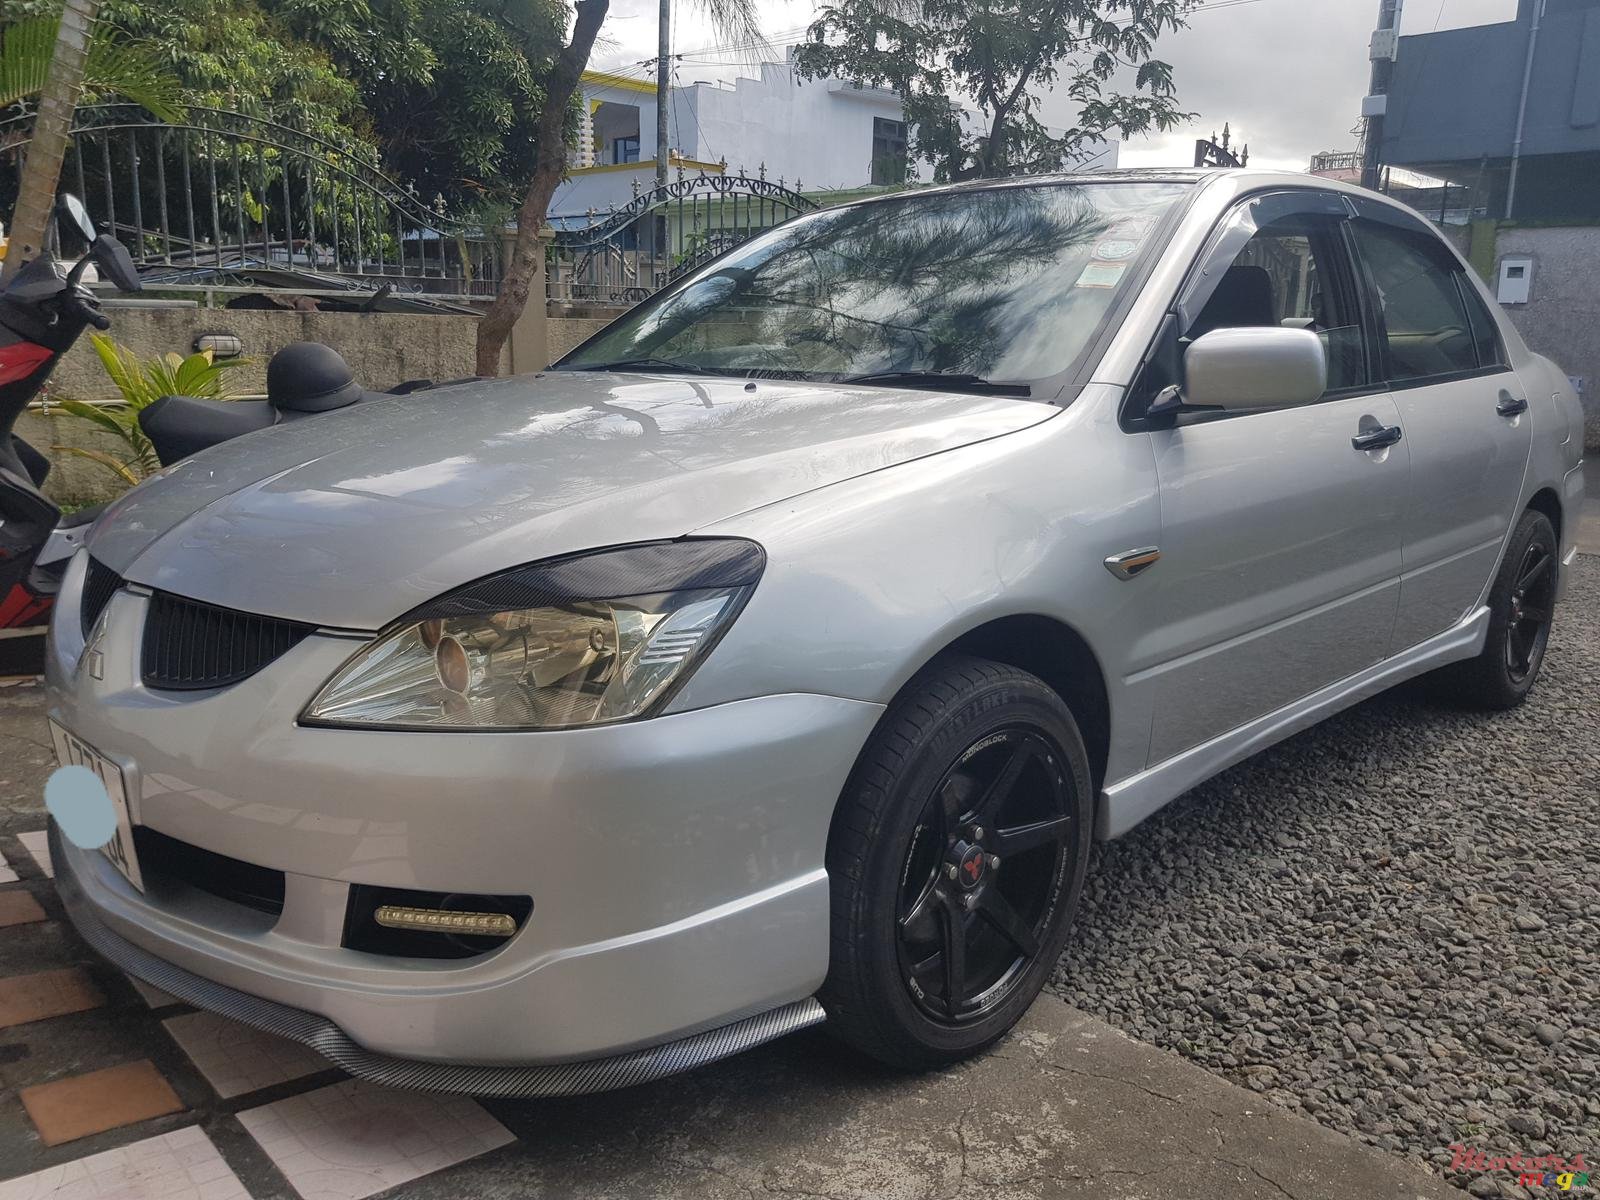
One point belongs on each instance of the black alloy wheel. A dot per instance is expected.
(1521, 605)
(985, 872)
(955, 861)
(1533, 601)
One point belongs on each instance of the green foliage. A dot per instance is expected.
(113, 68)
(999, 57)
(453, 88)
(142, 383)
(444, 94)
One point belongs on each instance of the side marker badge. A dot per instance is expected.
(1132, 562)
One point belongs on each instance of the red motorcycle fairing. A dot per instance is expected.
(21, 608)
(20, 360)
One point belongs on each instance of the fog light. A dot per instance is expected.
(444, 920)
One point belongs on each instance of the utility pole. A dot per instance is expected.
(52, 129)
(663, 88)
(1384, 48)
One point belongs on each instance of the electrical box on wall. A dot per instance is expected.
(1516, 278)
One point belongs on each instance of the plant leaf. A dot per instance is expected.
(85, 411)
(120, 469)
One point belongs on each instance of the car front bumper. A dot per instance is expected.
(675, 864)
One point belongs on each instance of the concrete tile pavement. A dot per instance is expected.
(1067, 1107)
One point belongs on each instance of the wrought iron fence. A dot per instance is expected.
(226, 198)
(622, 255)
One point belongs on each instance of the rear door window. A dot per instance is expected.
(1426, 331)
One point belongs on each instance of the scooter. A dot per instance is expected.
(42, 313)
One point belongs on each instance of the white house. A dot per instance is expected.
(825, 134)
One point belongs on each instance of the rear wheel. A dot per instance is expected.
(956, 859)
(1522, 608)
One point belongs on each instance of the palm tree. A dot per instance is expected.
(735, 22)
(57, 61)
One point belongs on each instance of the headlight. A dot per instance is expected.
(578, 641)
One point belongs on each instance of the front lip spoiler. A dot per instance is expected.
(334, 1044)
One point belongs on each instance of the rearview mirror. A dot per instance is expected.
(1255, 367)
(114, 261)
(71, 211)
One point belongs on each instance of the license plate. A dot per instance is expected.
(72, 750)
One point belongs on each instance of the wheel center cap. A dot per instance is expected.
(971, 865)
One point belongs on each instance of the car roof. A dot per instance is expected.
(1240, 179)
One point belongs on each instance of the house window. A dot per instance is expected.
(625, 150)
(888, 151)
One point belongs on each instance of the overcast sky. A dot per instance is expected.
(1288, 75)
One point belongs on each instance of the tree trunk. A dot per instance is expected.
(663, 88)
(52, 130)
(549, 166)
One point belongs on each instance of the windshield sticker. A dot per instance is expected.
(1102, 275)
(1116, 249)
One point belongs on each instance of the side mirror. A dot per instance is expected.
(1255, 367)
(71, 211)
(112, 257)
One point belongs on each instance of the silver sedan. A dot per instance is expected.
(776, 656)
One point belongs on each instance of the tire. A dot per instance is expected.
(1521, 608)
(909, 869)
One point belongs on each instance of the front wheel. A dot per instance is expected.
(1521, 610)
(956, 859)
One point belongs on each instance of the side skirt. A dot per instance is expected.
(1125, 803)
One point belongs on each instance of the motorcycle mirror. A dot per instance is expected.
(113, 259)
(71, 210)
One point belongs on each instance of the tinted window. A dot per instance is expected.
(1426, 327)
(1485, 335)
(1006, 283)
(1291, 273)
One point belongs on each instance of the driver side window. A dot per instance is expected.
(1292, 273)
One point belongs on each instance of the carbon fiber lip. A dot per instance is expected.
(334, 1044)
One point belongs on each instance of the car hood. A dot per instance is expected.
(351, 518)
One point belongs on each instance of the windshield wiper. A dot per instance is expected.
(941, 380)
(645, 364)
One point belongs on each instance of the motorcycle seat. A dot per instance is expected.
(179, 426)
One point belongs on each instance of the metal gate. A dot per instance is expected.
(621, 256)
(223, 197)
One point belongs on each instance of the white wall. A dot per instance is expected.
(818, 130)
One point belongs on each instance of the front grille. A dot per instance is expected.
(100, 583)
(231, 879)
(189, 645)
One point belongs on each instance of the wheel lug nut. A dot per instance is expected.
(951, 872)
(994, 862)
(977, 833)
(970, 899)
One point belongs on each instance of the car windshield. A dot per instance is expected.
(996, 287)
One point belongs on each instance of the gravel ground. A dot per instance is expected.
(1388, 922)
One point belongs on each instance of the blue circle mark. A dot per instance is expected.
(77, 800)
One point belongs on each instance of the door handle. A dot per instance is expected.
(1377, 439)
(1511, 406)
